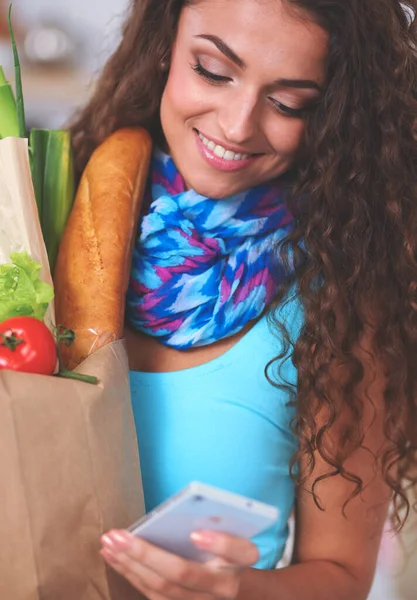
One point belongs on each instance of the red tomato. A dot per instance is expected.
(33, 349)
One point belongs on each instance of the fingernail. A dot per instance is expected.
(120, 540)
(203, 538)
(107, 542)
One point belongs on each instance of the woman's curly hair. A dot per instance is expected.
(354, 244)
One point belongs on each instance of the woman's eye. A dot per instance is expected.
(296, 113)
(208, 75)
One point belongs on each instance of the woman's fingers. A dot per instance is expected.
(169, 566)
(150, 583)
(166, 573)
(235, 551)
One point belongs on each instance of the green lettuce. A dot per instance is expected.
(22, 293)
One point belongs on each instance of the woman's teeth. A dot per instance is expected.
(222, 152)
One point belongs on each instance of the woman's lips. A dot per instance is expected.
(221, 158)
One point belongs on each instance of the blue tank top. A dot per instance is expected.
(224, 424)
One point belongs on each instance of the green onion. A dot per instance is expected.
(54, 184)
(20, 106)
(9, 126)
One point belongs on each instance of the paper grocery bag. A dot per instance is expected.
(70, 471)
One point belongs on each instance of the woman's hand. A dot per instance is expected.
(160, 575)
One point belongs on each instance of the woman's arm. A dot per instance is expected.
(335, 555)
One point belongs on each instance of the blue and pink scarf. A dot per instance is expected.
(203, 268)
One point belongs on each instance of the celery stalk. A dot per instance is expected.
(18, 82)
(9, 126)
(54, 184)
(38, 147)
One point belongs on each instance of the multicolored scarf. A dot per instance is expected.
(203, 268)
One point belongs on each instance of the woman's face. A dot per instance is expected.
(243, 74)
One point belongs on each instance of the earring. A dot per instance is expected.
(409, 13)
(164, 63)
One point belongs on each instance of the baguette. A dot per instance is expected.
(93, 265)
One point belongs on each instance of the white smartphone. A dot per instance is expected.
(197, 507)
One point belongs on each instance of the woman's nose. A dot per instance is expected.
(239, 120)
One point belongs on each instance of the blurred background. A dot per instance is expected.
(63, 44)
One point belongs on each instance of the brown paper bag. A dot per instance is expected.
(70, 471)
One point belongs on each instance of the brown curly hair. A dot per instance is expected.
(354, 244)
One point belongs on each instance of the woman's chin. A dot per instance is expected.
(215, 189)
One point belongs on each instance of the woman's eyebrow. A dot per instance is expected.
(298, 84)
(224, 49)
(231, 55)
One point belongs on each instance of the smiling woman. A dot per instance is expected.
(246, 92)
(271, 314)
